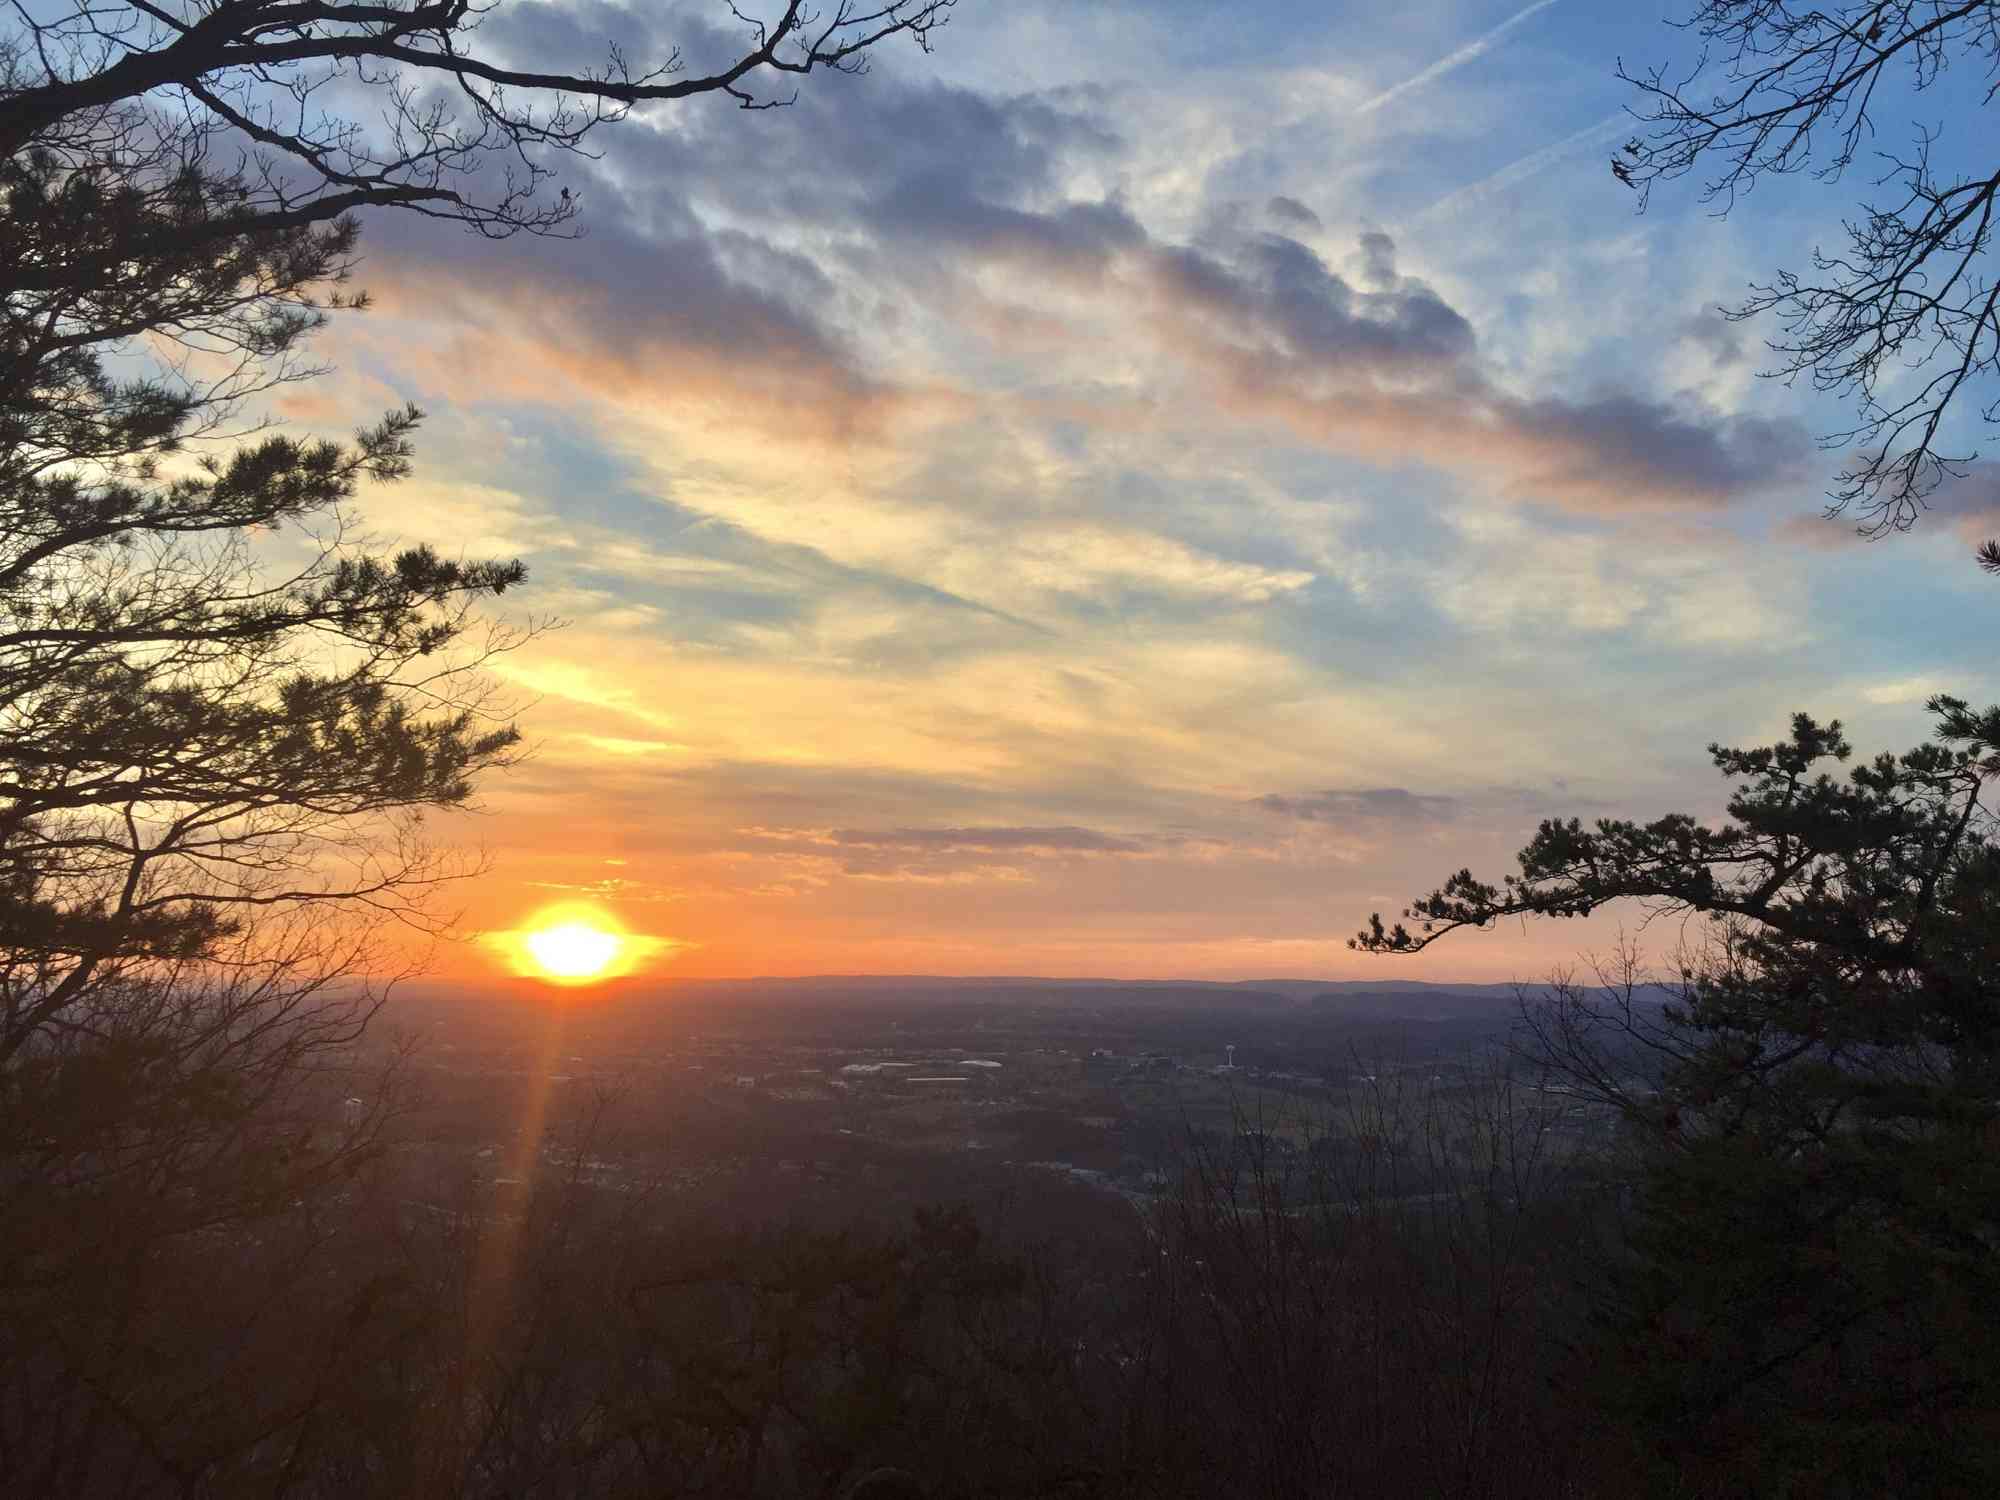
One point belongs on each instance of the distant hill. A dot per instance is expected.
(1410, 1003)
(1294, 989)
(1350, 999)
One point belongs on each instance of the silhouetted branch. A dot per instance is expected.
(1799, 88)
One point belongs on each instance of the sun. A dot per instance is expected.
(576, 943)
(573, 943)
(574, 951)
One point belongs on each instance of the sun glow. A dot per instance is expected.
(573, 952)
(576, 944)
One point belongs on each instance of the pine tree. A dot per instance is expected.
(1805, 1302)
(210, 765)
(224, 715)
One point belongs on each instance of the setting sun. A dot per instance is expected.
(573, 952)
(576, 943)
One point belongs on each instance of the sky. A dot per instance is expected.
(1129, 493)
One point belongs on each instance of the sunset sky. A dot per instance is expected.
(1132, 492)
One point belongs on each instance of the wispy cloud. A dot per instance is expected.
(1353, 804)
(1904, 690)
(1039, 840)
(1472, 51)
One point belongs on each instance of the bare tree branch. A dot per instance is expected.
(1904, 320)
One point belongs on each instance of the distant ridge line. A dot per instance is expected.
(1292, 989)
(1313, 993)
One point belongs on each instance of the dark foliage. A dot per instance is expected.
(1818, 1212)
(224, 714)
(221, 720)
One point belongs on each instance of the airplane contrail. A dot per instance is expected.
(1522, 168)
(1451, 62)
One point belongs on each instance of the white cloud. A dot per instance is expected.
(1903, 690)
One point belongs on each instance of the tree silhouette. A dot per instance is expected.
(1800, 89)
(466, 131)
(204, 762)
(225, 714)
(1812, 1263)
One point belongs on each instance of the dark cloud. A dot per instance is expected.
(1378, 260)
(1673, 450)
(1717, 337)
(1073, 236)
(1393, 372)
(1276, 302)
(1969, 503)
(846, 152)
(652, 306)
(660, 303)
(1007, 840)
(1324, 320)
(1383, 804)
(1291, 213)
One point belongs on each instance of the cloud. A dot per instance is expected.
(748, 272)
(1969, 504)
(1384, 367)
(642, 319)
(1818, 531)
(1719, 338)
(1277, 301)
(1604, 454)
(1011, 840)
(1095, 561)
(1904, 690)
(1345, 805)
(1392, 373)
(1078, 238)
(1378, 260)
(1291, 213)
(854, 269)
(814, 858)
(989, 496)
(614, 745)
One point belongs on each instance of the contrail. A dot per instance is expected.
(1452, 62)
(1527, 166)
(1522, 168)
